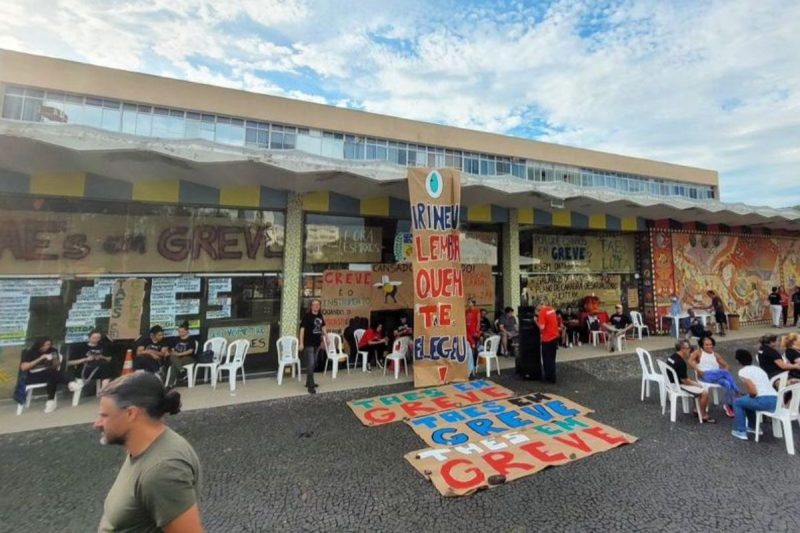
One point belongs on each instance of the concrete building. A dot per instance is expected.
(244, 200)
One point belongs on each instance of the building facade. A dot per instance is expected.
(232, 206)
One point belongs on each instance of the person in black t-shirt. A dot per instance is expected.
(678, 363)
(770, 359)
(720, 317)
(618, 325)
(90, 359)
(775, 308)
(151, 351)
(796, 303)
(312, 332)
(41, 364)
(791, 345)
(182, 353)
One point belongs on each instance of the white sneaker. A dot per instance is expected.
(75, 385)
(50, 406)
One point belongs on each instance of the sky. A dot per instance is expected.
(712, 84)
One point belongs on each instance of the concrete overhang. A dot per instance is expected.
(56, 148)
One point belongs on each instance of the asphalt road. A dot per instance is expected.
(307, 464)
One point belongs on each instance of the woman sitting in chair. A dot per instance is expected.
(91, 360)
(374, 342)
(41, 364)
(791, 345)
(712, 368)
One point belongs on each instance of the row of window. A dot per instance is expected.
(35, 105)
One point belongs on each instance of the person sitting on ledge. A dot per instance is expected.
(618, 325)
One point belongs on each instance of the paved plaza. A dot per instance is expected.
(307, 464)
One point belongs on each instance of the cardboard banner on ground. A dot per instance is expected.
(440, 342)
(492, 461)
(470, 424)
(127, 303)
(397, 407)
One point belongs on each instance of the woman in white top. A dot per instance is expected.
(761, 396)
(712, 368)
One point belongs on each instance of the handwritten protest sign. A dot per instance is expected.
(440, 342)
(397, 407)
(127, 303)
(473, 423)
(345, 294)
(463, 469)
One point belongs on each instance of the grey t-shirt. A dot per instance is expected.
(508, 322)
(153, 489)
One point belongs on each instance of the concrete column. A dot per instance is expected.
(511, 288)
(292, 266)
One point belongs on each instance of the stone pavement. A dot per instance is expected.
(307, 464)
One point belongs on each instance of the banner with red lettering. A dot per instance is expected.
(463, 469)
(440, 342)
(471, 424)
(398, 407)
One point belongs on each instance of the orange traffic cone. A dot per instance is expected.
(127, 368)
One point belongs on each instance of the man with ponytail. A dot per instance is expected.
(158, 486)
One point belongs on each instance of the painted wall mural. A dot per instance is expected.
(740, 268)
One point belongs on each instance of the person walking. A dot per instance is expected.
(775, 307)
(720, 317)
(158, 487)
(548, 326)
(784, 305)
(312, 332)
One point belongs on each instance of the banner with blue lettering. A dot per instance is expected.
(487, 420)
(440, 341)
(425, 402)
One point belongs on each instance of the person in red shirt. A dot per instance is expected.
(473, 325)
(374, 342)
(547, 320)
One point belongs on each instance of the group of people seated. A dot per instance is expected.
(91, 361)
(375, 340)
(754, 393)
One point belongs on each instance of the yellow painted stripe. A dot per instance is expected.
(479, 213)
(597, 221)
(525, 215)
(378, 207)
(563, 218)
(317, 201)
(157, 191)
(245, 196)
(72, 184)
(629, 224)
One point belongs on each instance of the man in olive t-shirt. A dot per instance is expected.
(158, 487)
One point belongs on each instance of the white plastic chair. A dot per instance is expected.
(782, 417)
(218, 345)
(489, 354)
(674, 392)
(335, 354)
(237, 351)
(596, 335)
(780, 381)
(357, 334)
(288, 356)
(649, 374)
(398, 355)
(638, 324)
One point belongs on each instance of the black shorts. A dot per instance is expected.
(720, 317)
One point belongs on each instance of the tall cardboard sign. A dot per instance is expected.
(440, 342)
(127, 303)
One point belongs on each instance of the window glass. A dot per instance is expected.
(12, 107)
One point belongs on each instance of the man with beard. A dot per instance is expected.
(158, 486)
